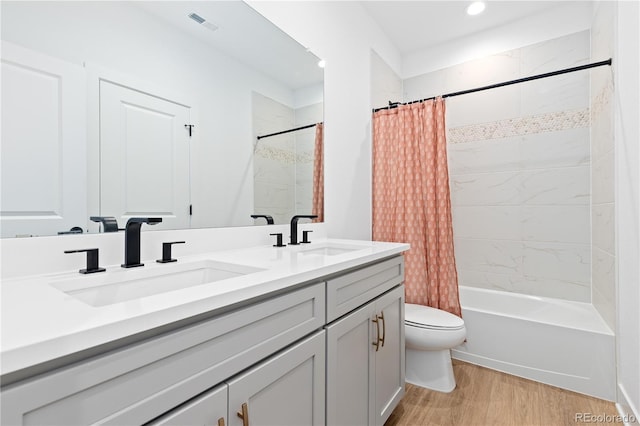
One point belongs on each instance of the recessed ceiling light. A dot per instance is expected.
(321, 63)
(475, 8)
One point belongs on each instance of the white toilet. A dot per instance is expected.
(430, 334)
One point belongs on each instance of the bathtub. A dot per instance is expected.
(561, 343)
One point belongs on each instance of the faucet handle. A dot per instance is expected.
(92, 261)
(305, 237)
(166, 252)
(278, 240)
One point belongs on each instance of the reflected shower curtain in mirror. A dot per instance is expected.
(318, 175)
(411, 200)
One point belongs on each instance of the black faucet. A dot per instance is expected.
(109, 223)
(132, 240)
(294, 226)
(268, 218)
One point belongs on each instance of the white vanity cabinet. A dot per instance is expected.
(365, 347)
(286, 389)
(308, 354)
(142, 381)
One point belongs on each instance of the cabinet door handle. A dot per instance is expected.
(221, 421)
(377, 342)
(244, 414)
(384, 329)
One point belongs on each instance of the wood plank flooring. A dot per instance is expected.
(485, 397)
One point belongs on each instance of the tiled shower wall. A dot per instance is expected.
(519, 164)
(283, 164)
(602, 165)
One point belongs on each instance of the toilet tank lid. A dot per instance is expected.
(426, 315)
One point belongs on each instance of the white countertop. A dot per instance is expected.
(41, 323)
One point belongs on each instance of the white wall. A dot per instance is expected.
(386, 85)
(343, 34)
(627, 175)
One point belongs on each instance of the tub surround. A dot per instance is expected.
(519, 171)
(558, 342)
(41, 323)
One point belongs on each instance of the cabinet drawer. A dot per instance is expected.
(145, 380)
(350, 291)
(208, 409)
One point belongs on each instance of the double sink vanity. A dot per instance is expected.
(297, 335)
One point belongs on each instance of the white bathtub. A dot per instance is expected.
(558, 342)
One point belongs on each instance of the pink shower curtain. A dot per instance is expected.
(318, 175)
(411, 201)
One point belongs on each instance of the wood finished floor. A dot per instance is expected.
(485, 397)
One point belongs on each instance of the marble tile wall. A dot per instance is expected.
(602, 165)
(520, 166)
(283, 164)
(273, 159)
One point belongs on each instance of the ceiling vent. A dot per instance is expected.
(200, 20)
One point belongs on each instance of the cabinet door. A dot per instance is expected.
(389, 359)
(286, 389)
(350, 369)
(365, 362)
(208, 409)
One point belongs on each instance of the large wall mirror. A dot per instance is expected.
(203, 113)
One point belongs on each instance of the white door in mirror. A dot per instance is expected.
(144, 157)
(43, 144)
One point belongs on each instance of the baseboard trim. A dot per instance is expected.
(629, 414)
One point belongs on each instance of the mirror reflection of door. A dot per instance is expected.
(43, 144)
(144, 157)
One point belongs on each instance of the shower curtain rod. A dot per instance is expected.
(288, 131)
(505, 83)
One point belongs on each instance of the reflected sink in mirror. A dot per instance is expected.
(123, 285)
(331, 249)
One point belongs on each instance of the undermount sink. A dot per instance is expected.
(331, 249)
(129, 284)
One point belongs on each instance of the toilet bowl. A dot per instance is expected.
(430, 334)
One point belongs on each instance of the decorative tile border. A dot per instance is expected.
(549, 122)
(282, 155)
(601, 102)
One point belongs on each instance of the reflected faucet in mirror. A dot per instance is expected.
(268, 218)
(132, 240)
(109, 223)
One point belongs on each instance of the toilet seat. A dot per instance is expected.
(431, 318)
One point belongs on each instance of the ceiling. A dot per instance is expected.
(242, 33)
(411, 26)
(416, 25)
